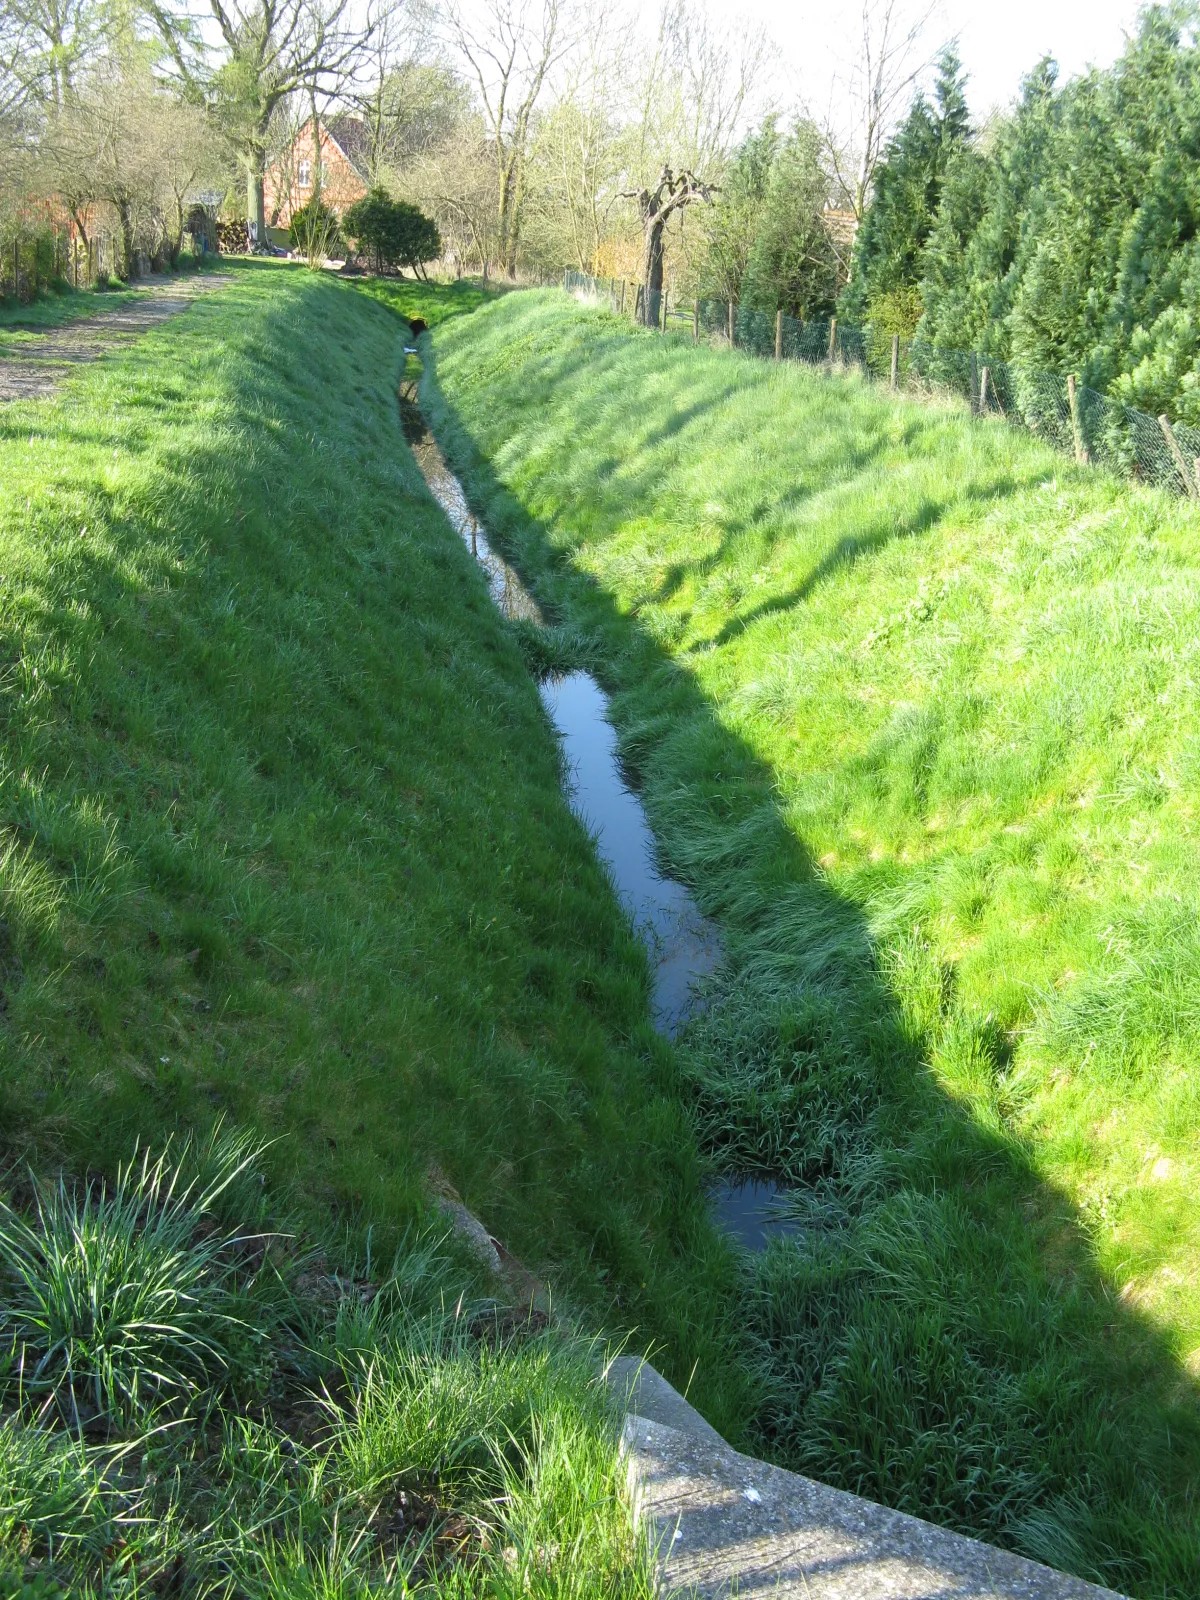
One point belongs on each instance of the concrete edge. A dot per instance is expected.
(725, 1524)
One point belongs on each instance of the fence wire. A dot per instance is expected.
(1076, 420)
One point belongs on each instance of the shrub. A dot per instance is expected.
(315, 232)
(392, 232)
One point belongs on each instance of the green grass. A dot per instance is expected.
(283, 836)
(53, 308)
(392, 1437)
(912, 704)
(433, 303)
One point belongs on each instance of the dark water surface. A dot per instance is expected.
(684, 947)
(753, 1211)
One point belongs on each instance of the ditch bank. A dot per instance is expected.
(775, 573)
(721, 1522)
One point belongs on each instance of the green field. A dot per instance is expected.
(912, 704)
(285, 850)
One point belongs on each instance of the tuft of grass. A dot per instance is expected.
(416, 1454)
(120, 1300)
(910, 701)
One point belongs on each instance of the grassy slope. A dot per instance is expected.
(913, 704)
(283, 836)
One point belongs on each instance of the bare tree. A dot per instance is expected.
(698, 82)
(582, 143)
(405, 96)
(184, 154)
(873, 91)
(455, 183)
(270, 49)
(510, 50)
(45, 43)
(656, 206)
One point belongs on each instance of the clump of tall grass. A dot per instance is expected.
(554, 648)
(121, 1299)
(413, 1440)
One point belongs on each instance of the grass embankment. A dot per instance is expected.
(284, 843)
(912, 702)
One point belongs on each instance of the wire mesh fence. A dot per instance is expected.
(1072, 418)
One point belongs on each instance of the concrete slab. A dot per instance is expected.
(646, 1393)
(726, 1525)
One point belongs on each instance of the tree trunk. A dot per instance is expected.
(504, 218)
(317, 170)
(514, 221)
(87, 243)
(256, 211)
(125, 213)
(652, 269)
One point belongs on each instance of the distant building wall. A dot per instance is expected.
(288, 183)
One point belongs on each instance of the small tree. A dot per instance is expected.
(394, 233)
(315, 233)
(656, 207)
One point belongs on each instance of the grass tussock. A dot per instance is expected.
(910, 700)
(389, 1441)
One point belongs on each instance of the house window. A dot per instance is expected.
(304, 177)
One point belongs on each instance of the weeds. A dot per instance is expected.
(119, 1301)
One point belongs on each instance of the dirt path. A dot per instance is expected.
(45, 357)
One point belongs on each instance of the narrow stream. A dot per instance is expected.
(684, 946)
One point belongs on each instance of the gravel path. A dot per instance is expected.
(45, 357)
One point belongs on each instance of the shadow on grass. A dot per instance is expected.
(941, 1339)
(851, 548)
(305, 855)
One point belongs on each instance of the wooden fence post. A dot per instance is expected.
(983, 388)
(895, 362)
(779, 336)
(1081, 454)
(664, 311)
(974, 383)
(732, 327)
(696, 323)
(832, 339)
(1189, 483)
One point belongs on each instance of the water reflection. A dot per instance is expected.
(684, 947)
(510, 594)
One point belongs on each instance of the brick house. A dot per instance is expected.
(288, 183)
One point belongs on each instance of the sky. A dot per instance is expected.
(999, 40)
